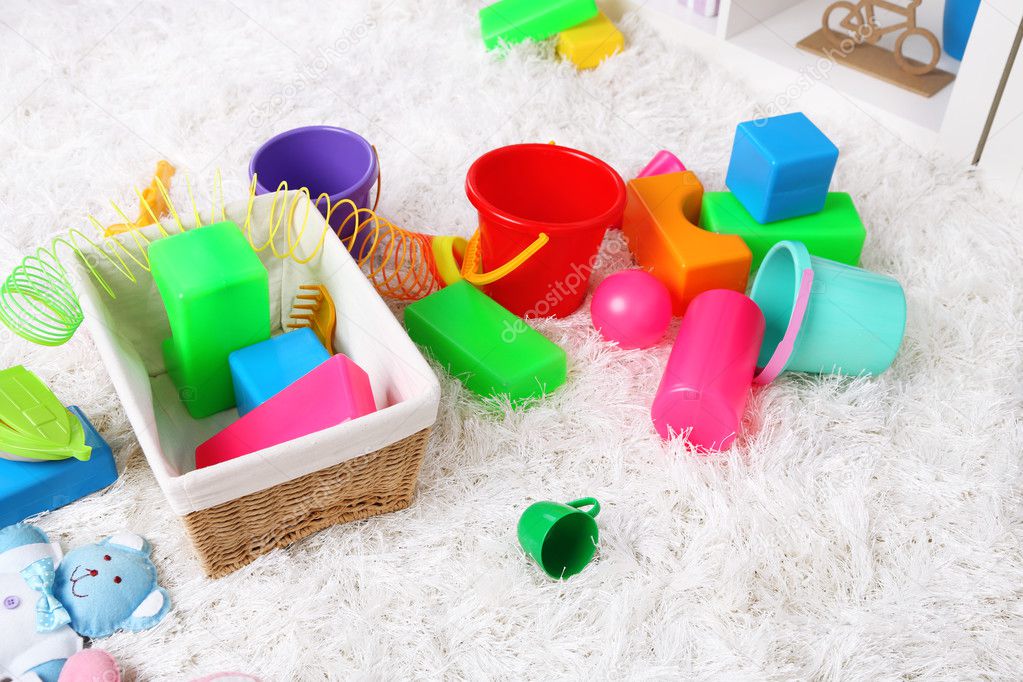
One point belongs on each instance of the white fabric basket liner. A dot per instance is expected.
(129, 329)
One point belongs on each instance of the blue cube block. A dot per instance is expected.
(27, 488)
(781, 167)
(263, 370)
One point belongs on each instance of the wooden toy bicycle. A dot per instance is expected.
(856, 21)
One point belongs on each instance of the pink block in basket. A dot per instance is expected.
(664, 162)
(334, 392)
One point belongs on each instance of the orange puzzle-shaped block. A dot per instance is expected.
(660, 224)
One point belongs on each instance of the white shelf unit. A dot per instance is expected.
(775, 37)
(757, 39)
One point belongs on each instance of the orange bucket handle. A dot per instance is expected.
(471, 263)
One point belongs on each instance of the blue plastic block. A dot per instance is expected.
(781, 167)
(27, 488)
(263, 370)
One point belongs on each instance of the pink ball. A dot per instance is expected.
(631, 307)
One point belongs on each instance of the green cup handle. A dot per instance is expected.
(586, 502)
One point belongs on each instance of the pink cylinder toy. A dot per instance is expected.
(710, 370)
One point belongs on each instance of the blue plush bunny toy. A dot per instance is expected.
(35, 637)
(93, 591)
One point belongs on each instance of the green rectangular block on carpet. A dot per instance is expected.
(491, 351)
(516, 20)
(836, 233)
(217, 296)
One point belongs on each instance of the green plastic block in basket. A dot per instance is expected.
(491, 350)
(217, 296)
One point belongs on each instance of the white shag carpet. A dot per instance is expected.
(861, 529)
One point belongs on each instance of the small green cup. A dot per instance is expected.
(561, 538)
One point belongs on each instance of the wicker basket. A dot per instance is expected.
(233, 534)
(238, 510)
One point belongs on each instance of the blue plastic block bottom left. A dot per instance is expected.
(27, 488)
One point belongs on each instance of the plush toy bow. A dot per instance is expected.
(50, 613)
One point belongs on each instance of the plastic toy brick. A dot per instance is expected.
(334, 392)
(513, 21)
(781, 167)
(659, 223)
(28, 488)
(263, 370)
(491, 350)
(591, 42)
(836, 233)
(217, 297)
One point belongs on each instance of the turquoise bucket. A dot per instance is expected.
(847, 320)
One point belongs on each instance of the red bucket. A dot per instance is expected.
(543, 213)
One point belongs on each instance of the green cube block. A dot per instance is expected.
(217, 296)
(491, 350)
(516, 20)
(836, 233)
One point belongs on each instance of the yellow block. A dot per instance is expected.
(590, 42)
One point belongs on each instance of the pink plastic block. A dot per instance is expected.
(663, 162)
(334, 392)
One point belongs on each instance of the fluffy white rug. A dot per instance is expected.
(861, 529)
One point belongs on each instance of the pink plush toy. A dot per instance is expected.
(96, 665)
(90, 665)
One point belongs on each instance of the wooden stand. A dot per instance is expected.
(877, 62)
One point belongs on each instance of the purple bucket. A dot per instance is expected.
(324, 159)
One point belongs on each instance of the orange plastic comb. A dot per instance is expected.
(316, 310)
(152, 205)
